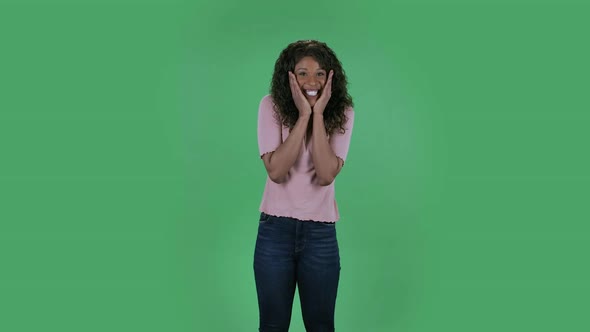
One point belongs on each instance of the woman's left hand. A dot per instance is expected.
(322, 101)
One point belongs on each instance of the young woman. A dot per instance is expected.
(304, 130)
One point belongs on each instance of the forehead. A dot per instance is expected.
(309, 63)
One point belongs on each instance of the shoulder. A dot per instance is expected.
(349, 113)
(349, 110)
(267, 100)
(267, 105)
(267, 111)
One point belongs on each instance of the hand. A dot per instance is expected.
(322, 102)
(300, 101)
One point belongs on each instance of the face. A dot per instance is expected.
(311, 78)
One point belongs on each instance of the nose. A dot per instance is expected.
(313, 82)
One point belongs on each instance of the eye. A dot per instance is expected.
(321, 74)
(301, 73)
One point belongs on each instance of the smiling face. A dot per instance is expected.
(311, 78)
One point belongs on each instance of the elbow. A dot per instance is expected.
(277, 178)
(325, 180)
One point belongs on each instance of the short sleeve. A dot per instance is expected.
(269, 130)
(340, 142)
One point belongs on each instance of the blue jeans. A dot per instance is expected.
(289, 252)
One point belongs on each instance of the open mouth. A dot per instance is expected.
(312, 93)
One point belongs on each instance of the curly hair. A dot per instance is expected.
(280, 91)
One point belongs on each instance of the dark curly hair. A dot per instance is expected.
(280, 91)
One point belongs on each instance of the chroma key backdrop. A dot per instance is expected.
(130, 179)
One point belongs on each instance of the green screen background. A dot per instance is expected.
(130, 179)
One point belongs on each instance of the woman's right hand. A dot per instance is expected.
(300, 101)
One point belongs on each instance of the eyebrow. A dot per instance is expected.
(306, 69)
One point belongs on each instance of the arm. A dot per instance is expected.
(327, 164)
(279, 162)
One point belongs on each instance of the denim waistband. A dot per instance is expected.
(264, 215)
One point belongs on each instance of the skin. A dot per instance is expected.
(308, 75)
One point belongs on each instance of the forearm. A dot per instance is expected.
(324, 160)
(283, 158)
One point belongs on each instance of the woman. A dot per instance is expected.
(304, 130)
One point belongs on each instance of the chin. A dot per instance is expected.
(312, 102)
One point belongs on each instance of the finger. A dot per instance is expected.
(296, 93)
(329, 84)
(295, 86)
(292, 84)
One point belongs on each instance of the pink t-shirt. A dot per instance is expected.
(298, 197)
